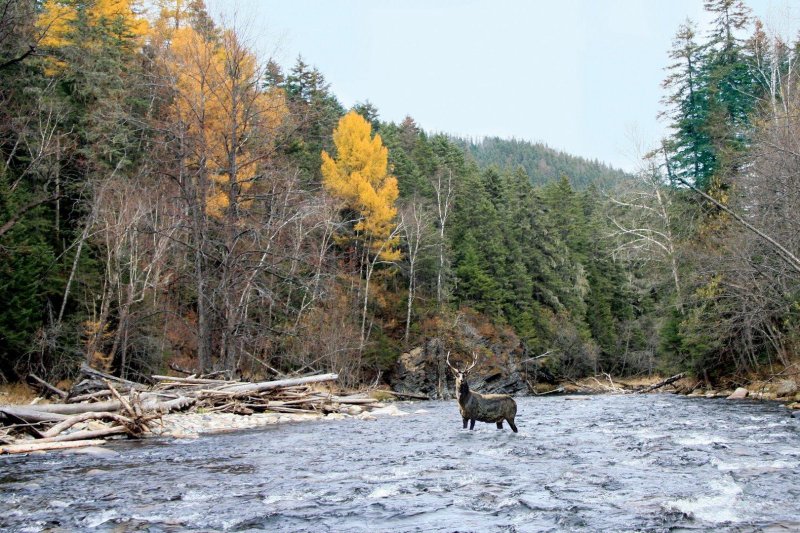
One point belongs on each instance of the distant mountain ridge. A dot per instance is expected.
(542, 163)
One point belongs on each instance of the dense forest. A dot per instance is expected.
(169, 198)
(542, 163)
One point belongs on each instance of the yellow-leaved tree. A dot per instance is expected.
(359, 177)
(223, 108)
(88, 23)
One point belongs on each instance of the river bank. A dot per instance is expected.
(102, 407)
(785, 390)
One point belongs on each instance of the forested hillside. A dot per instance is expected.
(167, 197)
(542, 163)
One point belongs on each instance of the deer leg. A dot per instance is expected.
(513, 426)
(472, 424)
(465, 422)
(500, 425)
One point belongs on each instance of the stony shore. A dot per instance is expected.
(191, 425)
(786, 391)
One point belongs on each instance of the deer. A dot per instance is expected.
(484, 407)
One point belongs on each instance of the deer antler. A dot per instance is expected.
(474, 362)
(457, 371)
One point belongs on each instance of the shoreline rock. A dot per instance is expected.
(739, 394)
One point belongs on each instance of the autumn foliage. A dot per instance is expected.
(218, 100)
(359, 177)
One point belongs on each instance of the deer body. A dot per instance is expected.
(491, 408)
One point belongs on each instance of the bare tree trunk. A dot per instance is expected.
(414, 221)
(444, 199)
(410, 302)
(199, 233)
(84, 235)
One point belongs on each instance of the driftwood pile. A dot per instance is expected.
(102, 406)
(593, 385)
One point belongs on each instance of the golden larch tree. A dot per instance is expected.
(223, 109)
(227, 126)
(360, 178)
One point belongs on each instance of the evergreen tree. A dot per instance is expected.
(692, 155)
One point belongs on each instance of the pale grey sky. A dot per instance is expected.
(583, 76)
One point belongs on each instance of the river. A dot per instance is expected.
(595, 463)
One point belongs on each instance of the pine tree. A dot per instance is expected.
(692, 153)
(732, 90)
(315, 111)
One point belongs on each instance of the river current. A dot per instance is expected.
(595, 463)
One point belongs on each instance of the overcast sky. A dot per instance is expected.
(580, 75)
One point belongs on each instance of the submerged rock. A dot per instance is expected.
(389, 410)
(95, 451)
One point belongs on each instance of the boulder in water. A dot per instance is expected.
(95, 451)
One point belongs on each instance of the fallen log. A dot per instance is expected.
(351, 401)
(554, 391)
(294, 410)
(125, 406)
(178, 404)
(86, 434)
(41, 384)
(90, 396)
(31, 415)
(150, 401)
(172, 380)
(252, 388)
(43, 446)
(83, 417)
(94, 373)
(78, 408)
(412, 395)
(662, 383)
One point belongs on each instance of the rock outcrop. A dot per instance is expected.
(424, 370)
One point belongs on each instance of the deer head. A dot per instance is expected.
(462, 387)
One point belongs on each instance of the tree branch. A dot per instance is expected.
(31, 50)
(10, 223)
